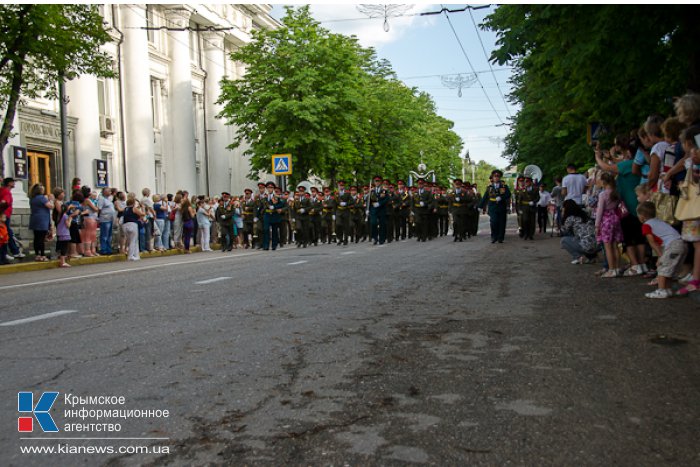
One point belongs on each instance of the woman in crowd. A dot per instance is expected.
(237, 223)
(177, 220)
(76, 211)
(188, 214)
(161, 209)
(132, 218)
(120, 206)
(88, 234)
(607, 223)
(40, 219)
(204, 217)
(626, 183)
(147, 225)
(578, 234)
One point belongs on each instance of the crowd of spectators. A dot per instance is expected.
(625, 212)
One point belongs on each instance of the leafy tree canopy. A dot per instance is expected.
(576, 64)
(38, 43)
(337, 108)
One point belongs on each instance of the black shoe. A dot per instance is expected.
(500, 241)
(455, 239)
(345, 243)
(305, 245)
(298, 245)
(493, 241)
(375, 242)
(266, 249)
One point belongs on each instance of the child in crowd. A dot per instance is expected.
(4, 239)
(63, 239)
(607, 224)
(667, 244)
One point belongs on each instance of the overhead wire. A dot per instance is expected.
(461, 46)
(478, 34)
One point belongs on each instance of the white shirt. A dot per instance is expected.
(575, 185)
(545, 198)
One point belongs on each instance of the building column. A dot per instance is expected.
(219, 156)
(82, 95)
(138, 114)
(183, 174)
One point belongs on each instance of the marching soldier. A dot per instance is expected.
(528, 208)
(458, 208)
(378, 197)
(272, 218)
(301, 209)
(328, 219)
(496, 199)
(224, 217)
(315, 211)
(263, 193)
(443, 216)
(248, 207)
(472, 200)
(423, 204)
(517, 195)
(342, 215)
(389, 207)
(357, 215)
(402, 211)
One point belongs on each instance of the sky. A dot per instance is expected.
(423, 50)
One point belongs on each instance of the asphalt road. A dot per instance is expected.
(439, 353)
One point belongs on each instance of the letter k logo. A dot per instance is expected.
(25, 403)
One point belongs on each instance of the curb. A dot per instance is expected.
(53, 264)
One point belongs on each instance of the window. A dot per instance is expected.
(195, 110)
(155, 103)
(103, 100)
(194, 45)
(150, 23)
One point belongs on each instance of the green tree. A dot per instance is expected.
(38, 44)
(299, 95)
(577, 64)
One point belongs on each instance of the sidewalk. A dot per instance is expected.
(28, 264)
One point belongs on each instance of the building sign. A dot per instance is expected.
(282, 164)
(19, 159)
(101, 173)
(42, 131)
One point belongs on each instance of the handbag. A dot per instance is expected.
(688, 206)
(622, 210)
(156, 230)
(665, 204)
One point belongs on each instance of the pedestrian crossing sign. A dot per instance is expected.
(282, 164)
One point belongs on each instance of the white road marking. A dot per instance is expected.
(37, 318)
(297, 262)
(210, 281)
(109, 273)
(348, 253)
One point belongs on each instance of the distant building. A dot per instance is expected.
(155, 125)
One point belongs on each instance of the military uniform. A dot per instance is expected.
(443, 215)
(315, 211)
(328, 219)
(517, 195)
(496, 200)
(402, 214)
(458, 206)
(345, 202)
(472, 219)
(224, 217)
(248, 207)
(528, 199)
(378, 197)
(357, 218)
(390, 213)
(423, 203)
(301, 220)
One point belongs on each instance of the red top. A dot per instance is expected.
(4, 238)
(646, 230)
(6, 195)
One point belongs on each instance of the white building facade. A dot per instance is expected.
(155, 125)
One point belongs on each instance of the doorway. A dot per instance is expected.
(40, 169)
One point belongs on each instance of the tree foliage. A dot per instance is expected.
(38, 43)
(576, 64)
(333, 105)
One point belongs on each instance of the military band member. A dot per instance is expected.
(272, 208)
(443, 214)
(423, 204)
(472, 199)
(248, 207)
(496, 200)
(458, 209)
(357, 215)
(263, 192)
(301, 209)
(224, 218)
(389, 208)
(517, 194)
(315, 212)
(528, 208)
(402, 211)
(342, 214)
(378, 197)
(328, 219)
